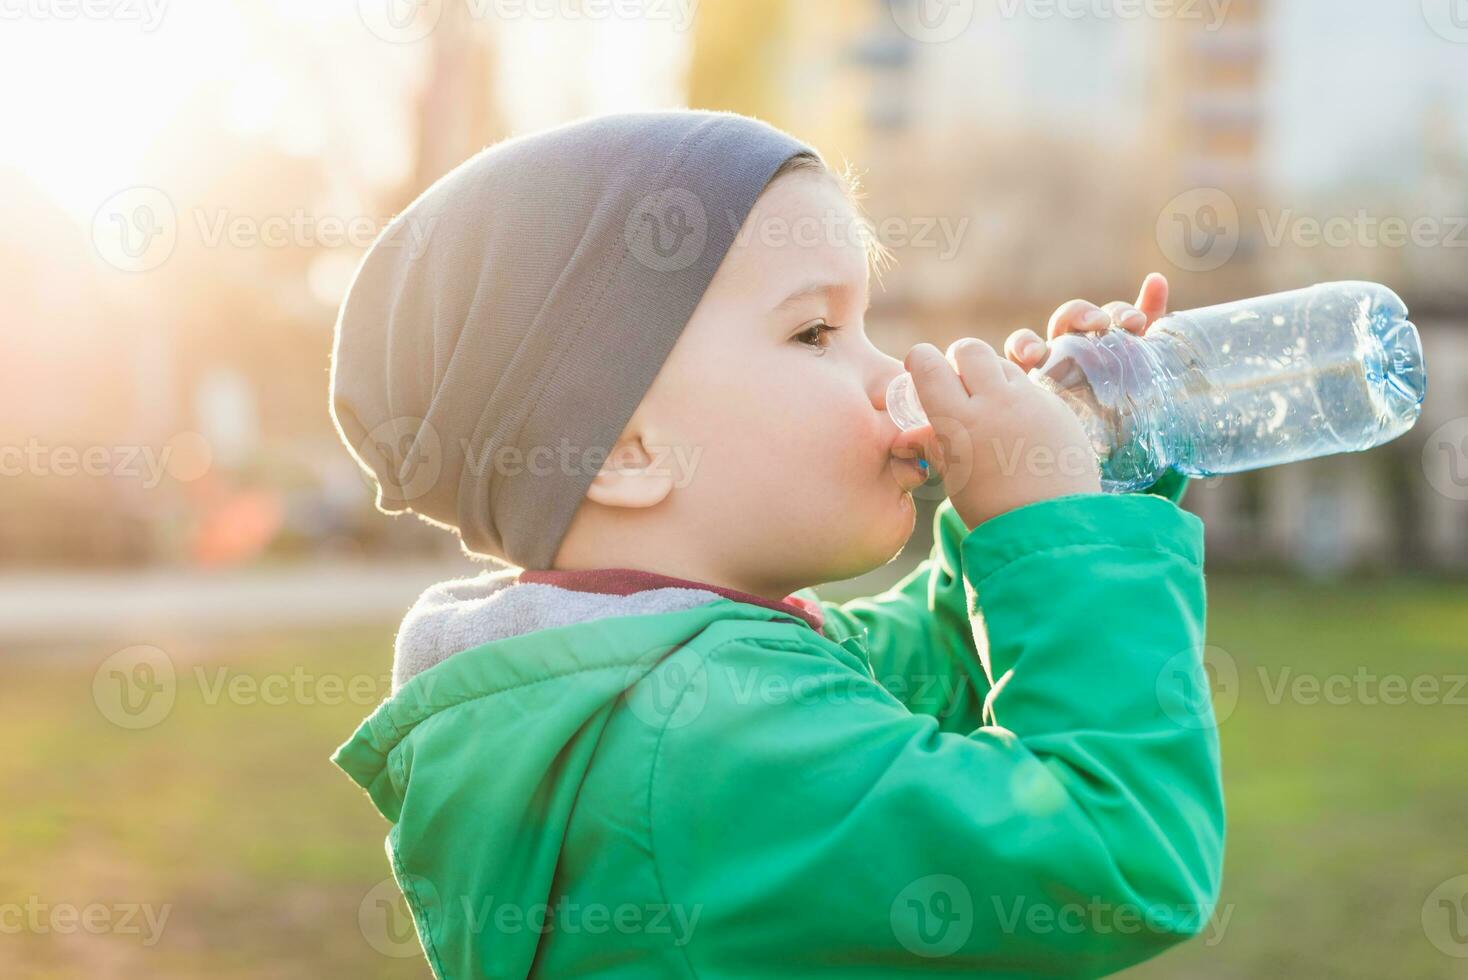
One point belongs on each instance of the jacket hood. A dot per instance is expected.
(460, 614)
(492, 634)
(532, 672)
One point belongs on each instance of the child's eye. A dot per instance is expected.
(814, 335)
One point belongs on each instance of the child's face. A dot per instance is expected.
(794, 482)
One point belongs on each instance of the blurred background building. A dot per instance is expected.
(1021, 152)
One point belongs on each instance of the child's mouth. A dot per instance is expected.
(911, 473)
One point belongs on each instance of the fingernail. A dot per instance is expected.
(1096, 318)
(1134, 318)
(1031, 349)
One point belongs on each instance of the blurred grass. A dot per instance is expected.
(1342, 818)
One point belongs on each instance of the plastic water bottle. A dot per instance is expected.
(1327, 369)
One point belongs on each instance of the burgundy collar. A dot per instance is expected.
(625, 581)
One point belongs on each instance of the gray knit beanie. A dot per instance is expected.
(503, 328)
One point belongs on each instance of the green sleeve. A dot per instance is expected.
(822, 829)
(920, 633)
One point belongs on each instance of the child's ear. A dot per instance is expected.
(631, 477)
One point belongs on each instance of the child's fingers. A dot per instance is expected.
(1152, 300)
(1025, 348)
(980, 367)
(1126, 316)
(1077, 316)
(939, 388)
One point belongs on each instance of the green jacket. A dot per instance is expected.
(1001, 766)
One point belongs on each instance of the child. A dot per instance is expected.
(627, 357)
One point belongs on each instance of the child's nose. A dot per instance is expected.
(888, 368)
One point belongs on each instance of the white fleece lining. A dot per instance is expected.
(460, 614)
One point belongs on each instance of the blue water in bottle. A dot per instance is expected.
(1331, 368)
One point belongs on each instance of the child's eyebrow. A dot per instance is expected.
(808, 289)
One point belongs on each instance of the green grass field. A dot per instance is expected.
(1343, 814)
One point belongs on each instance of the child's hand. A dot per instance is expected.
(998, 440)
(1025, 348)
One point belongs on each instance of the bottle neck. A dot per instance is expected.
(1126, 391)
(1175, 378)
